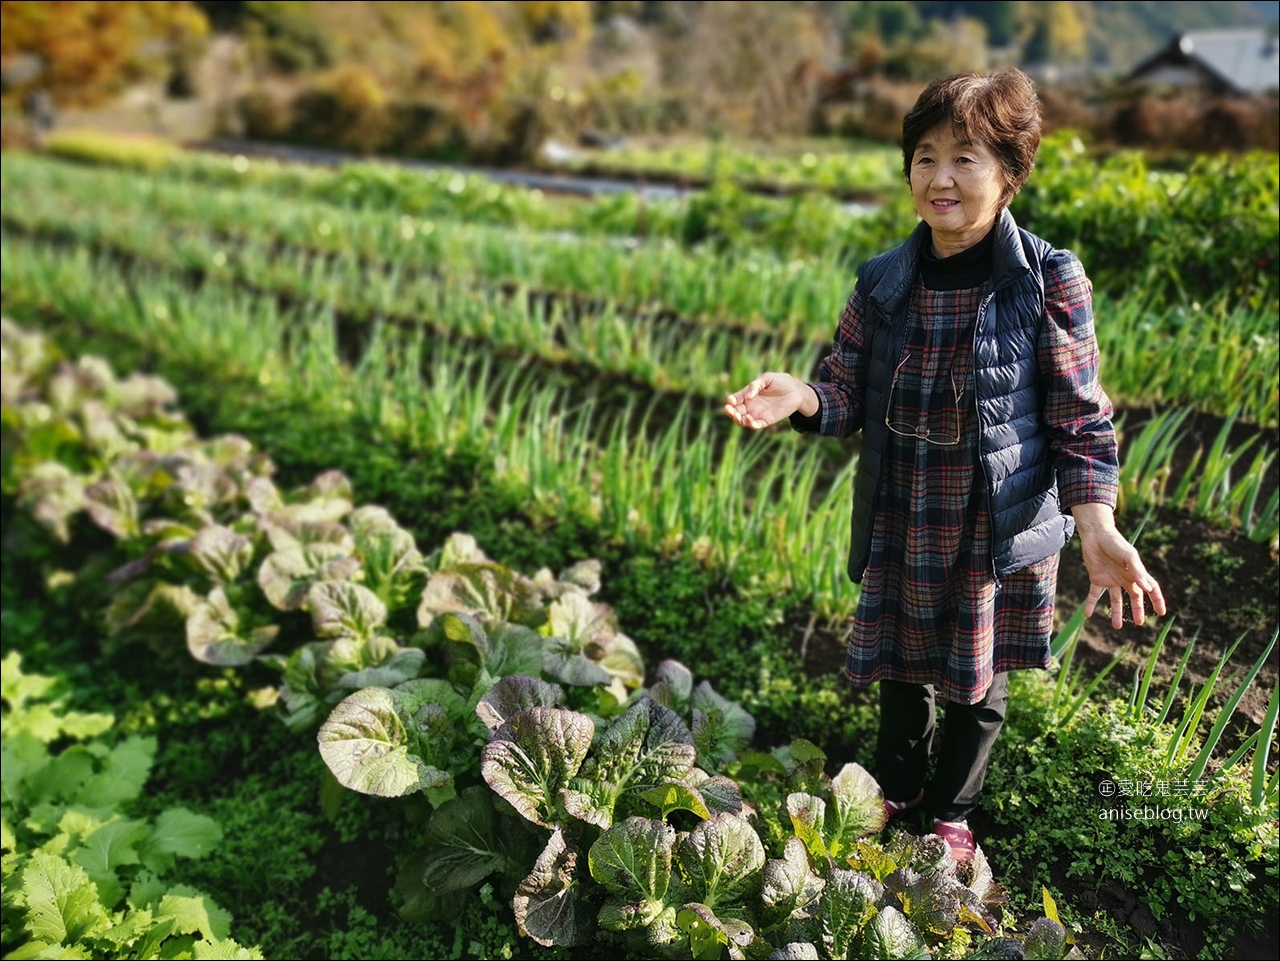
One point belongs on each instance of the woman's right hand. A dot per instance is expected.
(769, 398)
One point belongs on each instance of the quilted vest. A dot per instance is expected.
(1027, 522)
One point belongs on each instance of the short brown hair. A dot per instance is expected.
(1000, 111)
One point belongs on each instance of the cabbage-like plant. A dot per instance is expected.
(582, 646)
(598, 793)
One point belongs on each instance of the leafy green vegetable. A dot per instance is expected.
(890, 935)
(533, 756)
(722, 862)
(73, 853)
(392, 742)
(548, 903)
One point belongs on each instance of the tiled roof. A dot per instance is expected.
(1245, 60)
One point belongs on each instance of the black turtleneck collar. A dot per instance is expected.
(969, 268)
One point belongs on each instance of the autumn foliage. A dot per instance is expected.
(89, 49)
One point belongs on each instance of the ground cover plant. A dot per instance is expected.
(430, 432)
(80, 875)
(78, 440)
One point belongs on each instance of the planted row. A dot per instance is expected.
(698, 359)
(1127, 221)
(841, 169)
(756, 289)
(749, 502)
(1216, 356)
(722, 502)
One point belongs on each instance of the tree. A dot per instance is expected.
(92, 48)
(752, 68)
(1058, 35)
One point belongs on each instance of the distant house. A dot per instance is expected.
(1219, 62)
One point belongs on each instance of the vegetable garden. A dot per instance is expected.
(381, 578)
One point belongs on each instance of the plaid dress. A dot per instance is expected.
(931, 609)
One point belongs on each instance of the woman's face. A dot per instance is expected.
(957, 188)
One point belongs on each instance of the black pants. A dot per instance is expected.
(907, 722)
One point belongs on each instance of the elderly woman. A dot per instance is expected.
(967, 358)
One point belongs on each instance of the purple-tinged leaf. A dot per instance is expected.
(791, 887)
(101, 430)
(891, 936)
(973, 911)
(221, 553)
(53, 495)
(111, 505)
(721, 794)
(199, 487)
(479, 589)
(977, 874)
(931, 853)
(645, 747)
(547, 903)
(795, 951)
(587, 626)
(286, 576)
(857, 809)
(590, 800)
(617, 914)
(145, 396)
(388, 555)
(329, 492)
(533, 756)
(808, 815)
(585, 575)
(511, 695)
(263, 495)
(290, 527)
(932, 902)
(215, 636)
(1046, 941)
(345, 609)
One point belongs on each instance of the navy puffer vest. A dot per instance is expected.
(1027, 522)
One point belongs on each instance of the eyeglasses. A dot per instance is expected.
(916, 431)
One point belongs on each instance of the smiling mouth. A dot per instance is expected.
(944, 203)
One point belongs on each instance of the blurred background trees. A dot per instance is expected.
(492, 80)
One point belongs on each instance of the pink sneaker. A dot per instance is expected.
(893, 808)
(958, 837)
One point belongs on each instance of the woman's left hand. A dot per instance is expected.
(1114, 566)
